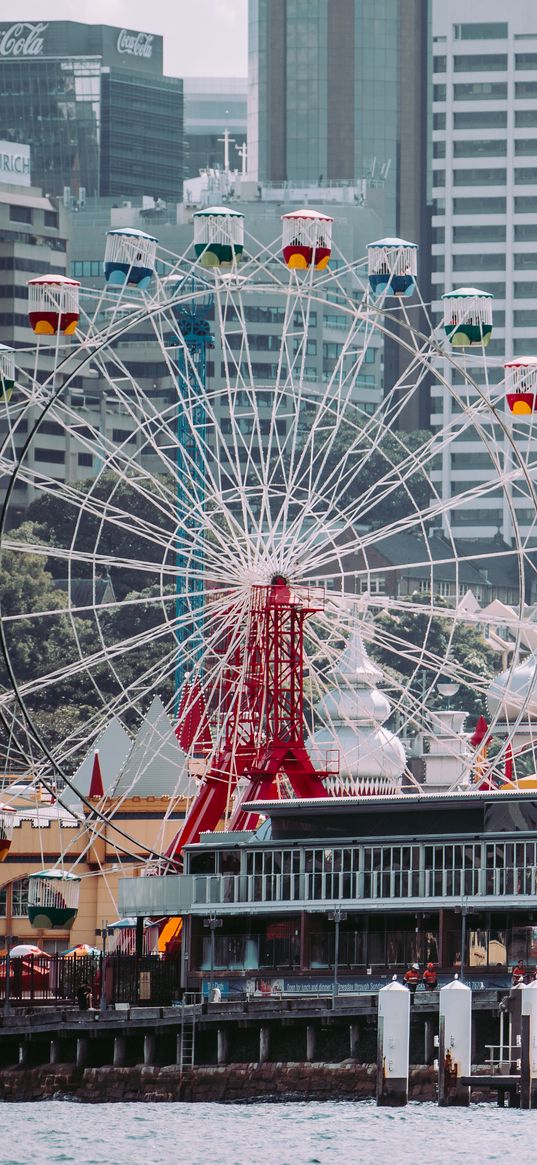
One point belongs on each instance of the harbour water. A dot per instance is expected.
(54, 1132)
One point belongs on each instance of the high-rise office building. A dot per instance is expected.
(95, 107)
(485, 207)
(338, 90)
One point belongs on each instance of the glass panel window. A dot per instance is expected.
(484, 177)
(525, 146)
(480, 63)
(481, 262)
(525, 89)
(480, 233)
(525, 117)
(19, 898)
(526, 290)
(439, 92)
(526, 61)
(439, 64)
(526, 261)
(526, 232)
(479, 205)
(526, 204)
(525, 318)
(483, 31)
(439, 149)
(480, 91)
(480, 119)
(439, 121)
(479, 149)
(20, 213)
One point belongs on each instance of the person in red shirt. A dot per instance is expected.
(411, 978)
(519, 973)
(430, 978)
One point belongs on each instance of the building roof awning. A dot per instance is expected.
(34, 200)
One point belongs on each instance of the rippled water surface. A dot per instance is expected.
(262, 1134)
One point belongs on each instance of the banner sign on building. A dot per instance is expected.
(14, 164)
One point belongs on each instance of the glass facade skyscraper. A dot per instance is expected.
(338, 91)
(95, 108)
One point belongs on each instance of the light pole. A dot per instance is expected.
(337, 916)
(7, 992)
(103, 932)
(213, 923)
(464, 910)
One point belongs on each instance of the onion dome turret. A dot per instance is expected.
(392, 266)
(7, 372)
(307, 239)
(218, 235)
(468, 316)
(7, 821)
(521, 385)
(372, 759)
(514, 692)
(53, 305)
(53, 899)
(129, 257)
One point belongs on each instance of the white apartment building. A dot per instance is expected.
(485, 217)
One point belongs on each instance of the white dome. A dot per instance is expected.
(371, 758)
(514, 692)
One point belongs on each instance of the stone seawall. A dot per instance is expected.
(232, 1084)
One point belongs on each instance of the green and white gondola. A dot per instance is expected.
(53, 897)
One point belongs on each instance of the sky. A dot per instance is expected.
(202, 38)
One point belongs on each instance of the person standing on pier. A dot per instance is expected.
(412, 978)
(430, 977)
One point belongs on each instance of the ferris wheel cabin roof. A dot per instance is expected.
(132, 233)
(523, 362)
(467, 293)
(393, 242)
(306, 212)
(60, 875)
(55, 280)
(218, 210)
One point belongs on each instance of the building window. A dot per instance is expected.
(19, 898)
(526, 146)
(480, 63)
(526, 232)
(525, 117)
(479, 206)
(438, 235)
(526, 61)
(480, 233)
(526, 261)
(526, 290)
(439, 121)
(120, 435)
(480, 91)
(490, 31)
(525, 318)
(480, 262)
(85, 459)
(484, 177)
(479, 149)
(375, 586)
(439, 149)
(526, 89)
(20, 213)
(439, 177)
(439, 64)
(480, 119)
(526, 204)
(439, 92)
(51, 218)
(54, 456)
(443, 588)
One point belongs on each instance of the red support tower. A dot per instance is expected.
(264, 718)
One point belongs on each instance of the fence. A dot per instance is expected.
(127, 979)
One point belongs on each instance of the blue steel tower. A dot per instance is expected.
(192, 321)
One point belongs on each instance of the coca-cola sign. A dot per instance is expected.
(22, 40)
(137, 44)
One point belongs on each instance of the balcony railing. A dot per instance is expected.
(193, 892)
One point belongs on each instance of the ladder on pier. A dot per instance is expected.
(187, 1051)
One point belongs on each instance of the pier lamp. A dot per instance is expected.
(337, 916)
(447, 689)
(213, 923)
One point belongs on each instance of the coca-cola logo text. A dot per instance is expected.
(22, 40)
(138, 44)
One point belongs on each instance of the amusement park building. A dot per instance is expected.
(95, 107)
(485, 201)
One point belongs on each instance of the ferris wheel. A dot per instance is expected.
(231, 477)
